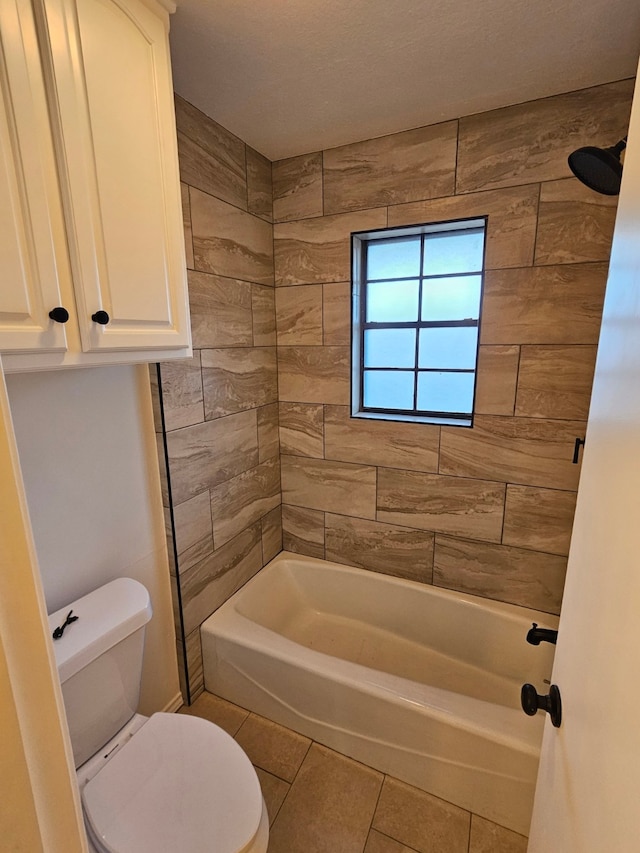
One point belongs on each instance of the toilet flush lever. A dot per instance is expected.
(60, 631)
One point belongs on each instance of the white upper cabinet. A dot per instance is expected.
(107, 76)
(33, 252)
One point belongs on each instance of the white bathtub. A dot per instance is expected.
(418, 682)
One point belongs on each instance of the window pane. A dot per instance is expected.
(445, 392)
(453, 347)
(393, 258)
(453, 251)
(388, 389)
(451, 298)
(390, 348)
(392, 302)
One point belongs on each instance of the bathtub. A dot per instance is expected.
(418, 682)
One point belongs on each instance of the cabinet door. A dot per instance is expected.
(116, 126)
(32, 243)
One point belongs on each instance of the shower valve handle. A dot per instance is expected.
(532, 702)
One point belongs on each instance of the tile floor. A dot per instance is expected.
(319, 801)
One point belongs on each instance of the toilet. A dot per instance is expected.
(169, 783)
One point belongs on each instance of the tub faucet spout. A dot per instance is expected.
(536, 635)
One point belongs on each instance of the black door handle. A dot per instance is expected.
(532, 702)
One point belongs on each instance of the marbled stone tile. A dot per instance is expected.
(218, 711)
(379, 843)
(301, 429)
(528, 451)
(237, 379)
(297, 187)
(299, 315)
(182, 398)
(575, 224)
(193, 530)
(303, 531)
(540, 519)
(407, 166)
(201, 170)
(336, 313)
(273, 747)
(259, 190)
(274, 791)
(229, 242)
(423, 822)
(155, 396)
(317, 815)
(315, 251)
(263, 307)
(271, 534)
(377, 442)
(211, 158)
(515, 575)
(511, 229)
(555, 381)
(496, 380)
(331, 486)
(268, 440)
(213, 580)
(530, 142)
(204, 455)
(314, 375)
(194, 664)
(220, 311)
(488, 837)
(454, 505)
(186, 223)
(543, 305)
(386, 548)
(243, 500)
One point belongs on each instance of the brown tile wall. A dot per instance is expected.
(222, 493)
(486, 510)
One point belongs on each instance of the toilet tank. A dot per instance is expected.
(99, 659)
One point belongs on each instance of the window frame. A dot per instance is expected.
(359, 243)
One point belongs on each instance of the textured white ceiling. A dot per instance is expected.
(294, 76)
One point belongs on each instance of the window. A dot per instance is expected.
(416, 317)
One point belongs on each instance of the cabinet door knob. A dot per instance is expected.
(100, 317)
(60, 314)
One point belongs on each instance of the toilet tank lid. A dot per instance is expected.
(105, 617)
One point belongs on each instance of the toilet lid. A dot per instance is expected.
(180, 784)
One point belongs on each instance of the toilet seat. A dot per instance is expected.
(180, 784)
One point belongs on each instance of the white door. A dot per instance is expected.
(588, 790)
(116, 128)
(32, 241)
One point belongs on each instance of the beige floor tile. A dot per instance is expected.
(274, 791)
(224, 714)
(273, 747)
(488, 837)
(379, 843)
(329, 807)
(424, 822)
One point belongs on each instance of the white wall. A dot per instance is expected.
(88, 456)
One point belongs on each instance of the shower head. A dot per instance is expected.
(599, 168)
